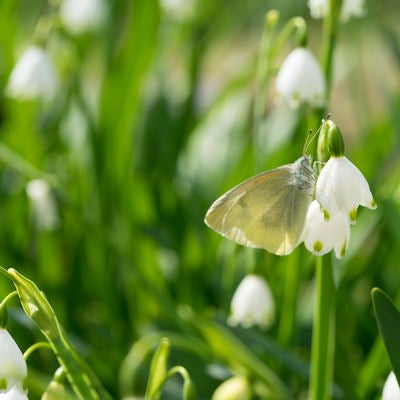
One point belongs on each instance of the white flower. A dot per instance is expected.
(318, 8)
(79, 16)
(15, 393)
(321, 235)
(43, 205)
(13, 369)
(235, 388)
(252, 303)
(33, 76)
(350, 8)
(300, 79)
(391, 389)
(342, 187)
(181, 10)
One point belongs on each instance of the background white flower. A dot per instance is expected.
(391, 388)
(300, 79)
(341, 186)
(79, 16)
(235, 388)
(252, 303)
(43, 204)
(33, 76)
(350, 8)
(13, 367)
(321, 235)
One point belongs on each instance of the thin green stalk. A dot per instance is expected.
(330, 32)
(287, 322)
(322, 354)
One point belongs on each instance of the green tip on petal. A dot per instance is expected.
(353, 215)
(3, 384)
(343, 250)
(327, 216)
(373, 205)
(318, 246)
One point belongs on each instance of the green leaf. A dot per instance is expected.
(158, 370)
(388, 318)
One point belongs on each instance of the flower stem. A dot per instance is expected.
(287, 323)
(322, 353)
(330, 30)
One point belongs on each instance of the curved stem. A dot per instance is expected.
(36, 346)
(322, 354)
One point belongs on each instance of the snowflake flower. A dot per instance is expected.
(321, 235)
(252, 303)
(80, 16)
(342, 187)
(350, 8)
(13, 369)
(300, 79)
(33, 76)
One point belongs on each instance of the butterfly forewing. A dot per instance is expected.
(267, 211)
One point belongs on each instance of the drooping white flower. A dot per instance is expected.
(235, 388)
(80, 16)
(13, 369)
(15, 393)
(300, 79)
(350, 8)
(321, 235)
(33, 76)
(391, 388)
(181, 10)
(252, 303)
(342, 187)
(43, 204)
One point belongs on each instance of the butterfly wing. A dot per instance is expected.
(266, 211)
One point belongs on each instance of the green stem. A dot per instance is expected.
(287, 321)
(322, 354)
(330, 31)
(36, 346)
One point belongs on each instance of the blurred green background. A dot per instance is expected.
(152, 122)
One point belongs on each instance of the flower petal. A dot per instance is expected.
(321, 235)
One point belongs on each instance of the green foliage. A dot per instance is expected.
(388, 318)
(156, 116)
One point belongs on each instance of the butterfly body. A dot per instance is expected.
(268, 210)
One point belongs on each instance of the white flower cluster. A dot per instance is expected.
(13, 369)
(340, 189)
(350, 8)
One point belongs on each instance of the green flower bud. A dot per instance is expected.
(330, 141)
(35, 304)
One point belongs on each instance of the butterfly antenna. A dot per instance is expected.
(311, 136)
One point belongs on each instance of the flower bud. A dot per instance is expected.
(35, 304)
(330, 141)
(236, 388)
